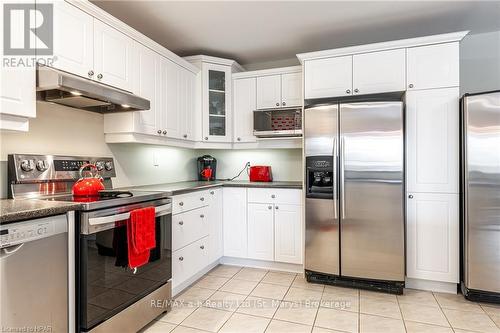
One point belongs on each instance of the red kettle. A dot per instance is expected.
(88, 186)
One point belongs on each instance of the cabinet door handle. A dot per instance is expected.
(239, 139)
(273, 196)
(202, 199)
(276, 207)
(283, 103)
(356, 90)
(181, 203)
(410, 85)
(181, 258)
(410, 196)
(269, 207)
(99, 76)
(206, 138)
(185, 136)
(159, 131)
(212, 192)
(348, 91)
(202, 216)
(181, 223)
(277, 104)
(164, 132)
(91, 73)
(202, 247)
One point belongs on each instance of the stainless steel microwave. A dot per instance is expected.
(277, 123)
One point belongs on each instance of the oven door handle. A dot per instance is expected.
(159, 211)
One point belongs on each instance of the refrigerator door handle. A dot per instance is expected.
(342, 177)
(335, 189)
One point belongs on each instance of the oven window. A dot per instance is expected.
(107, 285)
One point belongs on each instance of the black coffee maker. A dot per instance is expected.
(207, 166)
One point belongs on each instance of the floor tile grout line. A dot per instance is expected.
(401, 312)
(440, 308)
(489, 316)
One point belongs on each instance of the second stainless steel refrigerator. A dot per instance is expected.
(354, 194)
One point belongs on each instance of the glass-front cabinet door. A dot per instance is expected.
(216, 103)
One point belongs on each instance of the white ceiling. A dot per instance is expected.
(260, 32)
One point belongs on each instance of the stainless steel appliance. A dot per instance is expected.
(354, 193)
(60, 87)
(34, 275)
(481, 196)
(110, 296)
(277, 123)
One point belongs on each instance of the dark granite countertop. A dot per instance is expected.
(12, 210)
(191, 186)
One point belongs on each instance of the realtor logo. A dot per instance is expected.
(28, 27)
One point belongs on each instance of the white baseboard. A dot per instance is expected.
(277, 266)
(177, 289)
(437, 286)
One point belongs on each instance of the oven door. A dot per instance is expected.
(106, 284)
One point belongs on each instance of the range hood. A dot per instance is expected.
(60, 87)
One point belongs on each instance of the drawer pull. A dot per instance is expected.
(202, 199)
(202, 215)
(181, 203)
(212, 192)
(273, 196)
(181, 258)
(276, 207)
(269, 207)
(202, 247)
(181, 223)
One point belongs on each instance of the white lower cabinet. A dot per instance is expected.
(260, 231)
(433, 237)
(188, 261)
(288, 233)
(235, 222)
(214, 220)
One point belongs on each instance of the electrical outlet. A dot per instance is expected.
(156, 160)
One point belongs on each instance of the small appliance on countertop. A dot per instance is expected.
(260, 173)
(207, 167)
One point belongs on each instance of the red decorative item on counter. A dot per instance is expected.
(141, 236)
(206, 173)
(88, 186)
(261, 174)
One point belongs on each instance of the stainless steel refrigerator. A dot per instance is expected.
(354, 154)
(481, 196)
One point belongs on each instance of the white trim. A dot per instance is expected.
(374, 47)
(437, 286)
(187, 283)
(115, 23)
(272, 265)
(271, 71)
(214, 60)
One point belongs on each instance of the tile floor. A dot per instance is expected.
(239, 300)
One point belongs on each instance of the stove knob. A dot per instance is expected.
(27, 165)
(99, 165)
(42, 165)
(108, 165)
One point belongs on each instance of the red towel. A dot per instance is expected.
(140, 236)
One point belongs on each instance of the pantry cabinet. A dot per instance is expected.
(433, 66)
(432, 140)
(244, 103)
(260, 231)
(433, 236)
(235, 222)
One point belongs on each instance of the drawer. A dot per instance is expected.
(213, 194)
(188, 261)
(185, 202)
(189, 226)
(275, 195)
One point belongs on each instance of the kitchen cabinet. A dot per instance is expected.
(432, 140)
(244, 103)
(377, 72)
(328, 77)
(148, 85)
(170, 125)
(17, 98)
(281, 90)
(215, 241)
(288, 233)
(189, 226)
(115, 61)
(187, 97)
(235, 222)
(73, 39)
(261, 231)
(433, 66)
(188, 261)
(433, 237)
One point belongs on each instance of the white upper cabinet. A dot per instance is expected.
(187, 95)
(261, 231)
(432, 131)
(147, 85)
(433, 237)
(433, 66)
(244, 103)
(379, 72)
(288, 233)
(235, 221)
(171, 127)
(73, 39)
(269, 92)
(114, 57)
(216, 99)
(328, 77)
(291, 89)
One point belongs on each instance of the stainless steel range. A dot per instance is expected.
(110, 297)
